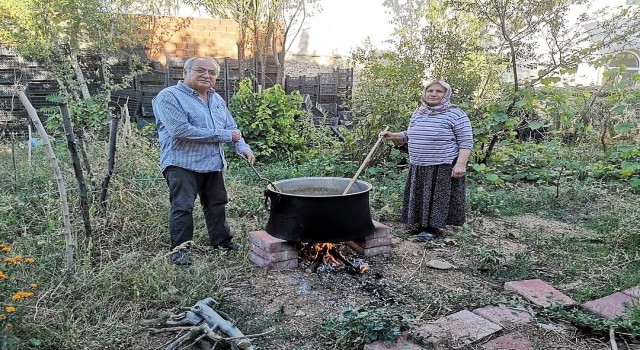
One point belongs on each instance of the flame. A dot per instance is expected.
(313, 251)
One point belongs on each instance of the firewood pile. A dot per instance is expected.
(202, 327)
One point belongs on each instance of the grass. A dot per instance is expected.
(123, 275)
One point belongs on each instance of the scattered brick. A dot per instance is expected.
(458, 330)
(369, 251)
(503, 315)
(270, 244)
(611, 306)
(509, 342)
(270, 265)
(275, 256)
(538, 292)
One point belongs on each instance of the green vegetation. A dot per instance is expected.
(555, 169)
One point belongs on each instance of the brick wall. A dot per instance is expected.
(185, 37)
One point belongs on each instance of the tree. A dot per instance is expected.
(267, 22)
(60, 34)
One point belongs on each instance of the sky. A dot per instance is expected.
(341, 26)
(337, 29)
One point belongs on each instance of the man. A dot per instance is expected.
(193, 122)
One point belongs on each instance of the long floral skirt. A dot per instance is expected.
(432, 198)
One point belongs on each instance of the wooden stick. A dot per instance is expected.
(612, 339)
(366, 160)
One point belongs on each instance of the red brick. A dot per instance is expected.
(458, 330)
(538, 292)
(611, 306)
(269, 243)
(509, 342)
(282, 255)
(369, 251)
(379, 230)
(268, 265)
(504, 316)
(372, 243)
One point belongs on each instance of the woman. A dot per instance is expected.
(440, 140)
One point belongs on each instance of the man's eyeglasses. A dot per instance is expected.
(201, 71)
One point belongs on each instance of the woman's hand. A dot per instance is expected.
(388, 135)
(459, 170)
(385, 135)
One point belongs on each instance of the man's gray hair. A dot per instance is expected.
(189, 63)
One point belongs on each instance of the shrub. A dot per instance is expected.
(268, 120)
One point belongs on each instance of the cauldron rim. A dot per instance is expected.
(368, 186)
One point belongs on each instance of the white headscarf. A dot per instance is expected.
(443, 105)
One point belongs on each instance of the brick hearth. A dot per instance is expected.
(272, 253)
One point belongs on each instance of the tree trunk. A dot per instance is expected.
(77, 168)
(111, 160)
(79, 75)
(66, 217)
(85, 159)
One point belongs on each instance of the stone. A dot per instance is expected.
(508, 342)
(458, 330)
(439, 265)
(270, 265)
(399, 345)
(538, 292)
(503, 315)
(633, 292)
(270, 244)
(611, 306)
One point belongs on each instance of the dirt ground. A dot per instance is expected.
(299, 299)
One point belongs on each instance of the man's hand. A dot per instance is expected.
(235, 135)
(249, 156)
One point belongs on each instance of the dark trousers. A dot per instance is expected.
(184, 185)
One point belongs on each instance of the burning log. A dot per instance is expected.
(329, 253)
(351, 268)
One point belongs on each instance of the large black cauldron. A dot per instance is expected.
(313, 209)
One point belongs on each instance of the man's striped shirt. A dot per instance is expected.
(191, 131)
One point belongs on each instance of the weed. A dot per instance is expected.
(590, 323)
(355, 328)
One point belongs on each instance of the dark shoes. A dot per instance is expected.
(181, 257)
(230, 246)
(428, 234)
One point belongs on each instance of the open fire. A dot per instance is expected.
(329, 256)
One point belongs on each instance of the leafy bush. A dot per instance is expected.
(268, 120)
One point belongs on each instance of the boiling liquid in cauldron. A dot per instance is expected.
(314, 192)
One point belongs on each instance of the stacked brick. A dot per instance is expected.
(272, 253)
(379, 242)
